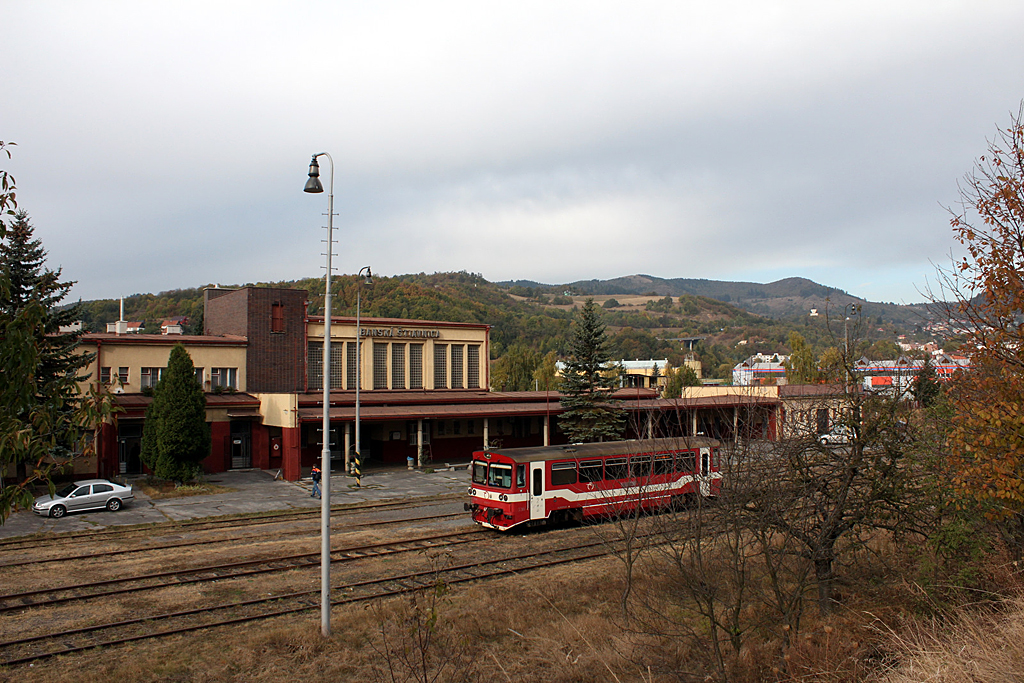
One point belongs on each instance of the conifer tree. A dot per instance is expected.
(177, 438)
(588, 414)
(926, 387)
(31, 318)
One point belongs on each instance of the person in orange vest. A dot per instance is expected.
(316, 482)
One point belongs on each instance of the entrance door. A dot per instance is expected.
(129, 447)
(241, 457)
(537, 508)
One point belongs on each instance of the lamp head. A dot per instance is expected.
(369, 277)
(313, 184)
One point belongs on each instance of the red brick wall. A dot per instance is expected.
(276, 361)
(226, 313)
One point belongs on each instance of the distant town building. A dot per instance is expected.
(760, 369)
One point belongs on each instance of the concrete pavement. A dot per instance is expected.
(254, 491)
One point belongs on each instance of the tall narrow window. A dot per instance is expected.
(398, 366)
(105, 375)
(457, 350)
(473, 366)
(350, 376)
(315, 367)
(415, 366)
(337, 366)
(380, 366)
(277, 317)
(440, 366)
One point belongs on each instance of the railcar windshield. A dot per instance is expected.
(479, 472)
(500, 476)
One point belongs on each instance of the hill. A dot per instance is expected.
(784, 299)
(646, 317)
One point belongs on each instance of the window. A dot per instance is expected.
(398, 366)
(457, 350)
(199, 375)
(563, 473)
(380, 366)
(227, 378)
(615, 468)
(457, 427)
(705, 464)
(500, 476)
(520, 475)
(440, 427)
(685, 462)
(277, 317)
(415, 366)
(471, 426)
(590, 470)
(350, 365)
(149, 377)
(102, 488)
(105, 375)
(473, 366)
(640, 466)
(440, 366)
(314, 367)
(663, 464)
(479, 472)
(122, 375)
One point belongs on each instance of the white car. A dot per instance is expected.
(840, 434)
(89, 494)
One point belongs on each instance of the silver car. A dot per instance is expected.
(89, 494)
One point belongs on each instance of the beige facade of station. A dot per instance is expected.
(400, 355)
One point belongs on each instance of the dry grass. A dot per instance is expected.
(982, 646)
(168, 489)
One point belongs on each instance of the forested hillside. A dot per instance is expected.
(640, 325)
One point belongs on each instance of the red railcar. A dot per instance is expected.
(513, 486)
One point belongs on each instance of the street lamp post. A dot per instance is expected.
(313, 185)
(364, 272)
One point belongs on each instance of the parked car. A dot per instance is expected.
(840, 434)
(89, 494)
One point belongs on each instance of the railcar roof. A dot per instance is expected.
(605, 448)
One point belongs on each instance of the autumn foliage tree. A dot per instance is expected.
(985, 290)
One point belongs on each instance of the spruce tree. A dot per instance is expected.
(30, 301)
(926, 388)
(588, 413)
(180, 437)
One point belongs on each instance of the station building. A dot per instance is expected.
(423, 389)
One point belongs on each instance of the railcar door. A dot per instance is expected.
(537, 508)
(705, 471)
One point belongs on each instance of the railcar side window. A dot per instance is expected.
(479, 472)
(563, 473)
(520, 475)
(590, 470)
(640, 466)
(501, 476)
(662, 464)
(685, 462)
(615, 468)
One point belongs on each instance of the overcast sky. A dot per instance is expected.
(165, 145)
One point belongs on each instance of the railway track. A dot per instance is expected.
(194, 543)
(218, 572)
(44, 645)
(216, 524)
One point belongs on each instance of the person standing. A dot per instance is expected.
(316, 482)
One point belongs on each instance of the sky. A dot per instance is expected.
(165, 145)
